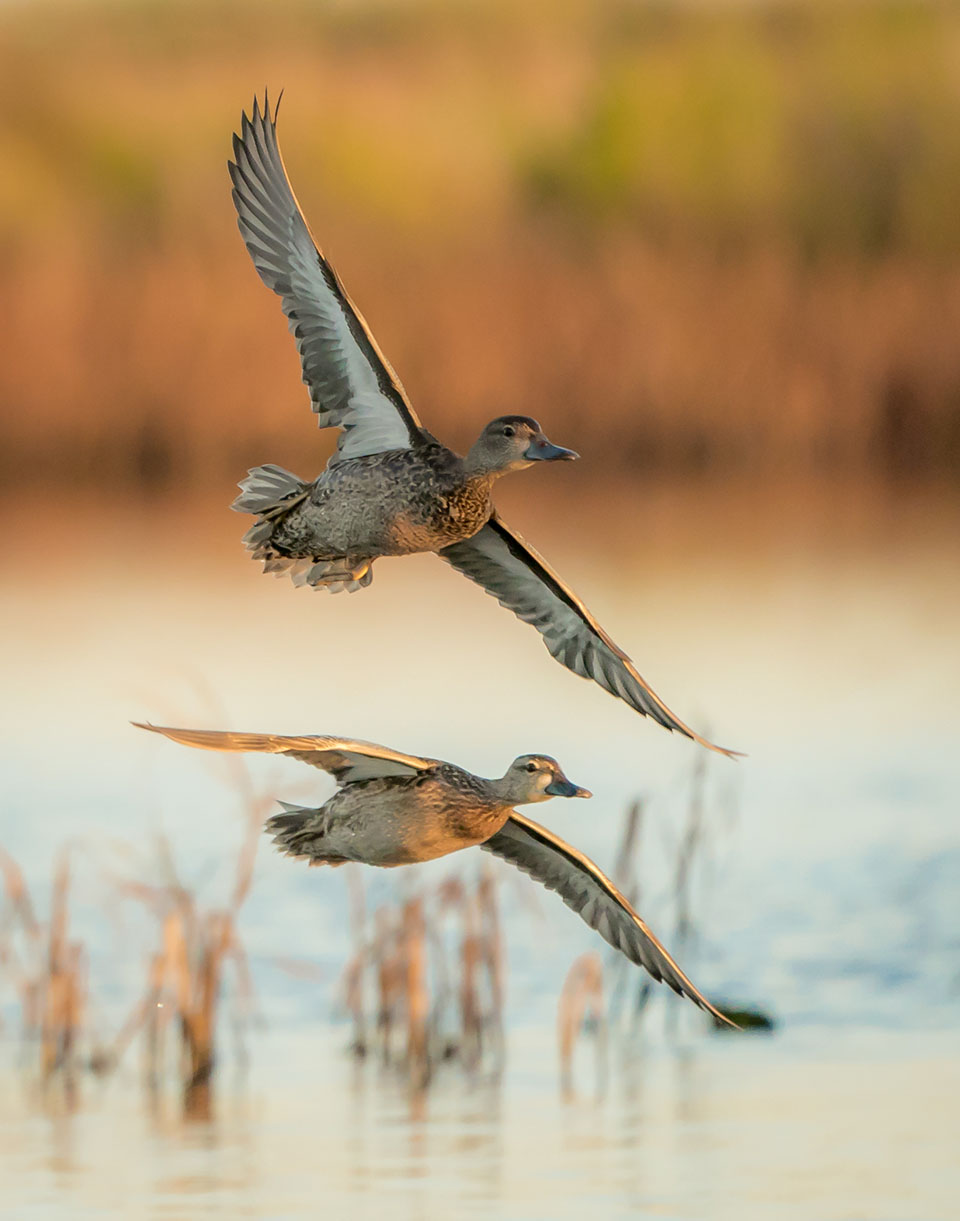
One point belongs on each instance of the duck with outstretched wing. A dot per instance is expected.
(395, 809)
(391, 488)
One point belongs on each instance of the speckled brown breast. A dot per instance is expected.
(394, 503)
(440, 515)
(400, 820)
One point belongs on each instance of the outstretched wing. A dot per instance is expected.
(350, 382)
(346, 760)
(591, 894)
(520, 580)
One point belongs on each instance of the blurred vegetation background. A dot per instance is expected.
(686, 236)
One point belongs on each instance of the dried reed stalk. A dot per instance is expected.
(18, 913)
(185, 976)
(416, 993)
(49, 972)
(691, 844)
(581, 1002)
(386, 956)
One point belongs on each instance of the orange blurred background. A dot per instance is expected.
(687, 237)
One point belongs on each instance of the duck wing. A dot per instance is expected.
(590, 893)
(511, 571)
(347, 760)
(351, 384)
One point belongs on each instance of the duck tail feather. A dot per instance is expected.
(288, 828)
(268, 487)
(299, 832)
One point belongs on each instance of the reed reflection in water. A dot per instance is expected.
(719, 1131)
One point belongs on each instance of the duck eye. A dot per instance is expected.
(531, 767)
(508, 430)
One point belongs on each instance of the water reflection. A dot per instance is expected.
(721, 1129)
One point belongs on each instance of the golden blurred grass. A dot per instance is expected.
(683, 236)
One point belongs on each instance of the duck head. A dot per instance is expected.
(533, 778)
(510, 443)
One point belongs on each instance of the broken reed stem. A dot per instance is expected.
(413, 985)
(625, 867)
(417, 996)
(491, 942)
(185, 977)
(687, 851)
(63, 987)
(581, 1001)
(49, 973)
(471, 1036)
(355, 974)
(627, 879)
(387, 961)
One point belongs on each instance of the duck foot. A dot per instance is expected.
(335, 576)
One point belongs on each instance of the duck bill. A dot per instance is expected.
(563, 788)
(542, 450)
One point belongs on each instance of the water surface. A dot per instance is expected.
(817, 630)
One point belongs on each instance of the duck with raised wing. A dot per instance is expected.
(396, 809)
(391, 488)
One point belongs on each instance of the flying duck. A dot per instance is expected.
(391, 488)
(396, 809)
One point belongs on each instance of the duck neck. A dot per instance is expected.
(478, 465)
(504, 792)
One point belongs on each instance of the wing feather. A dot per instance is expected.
(346, 759)
(590, 893)
(351, 384)
(511, 571)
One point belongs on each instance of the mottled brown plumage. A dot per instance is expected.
(396, 809)
(394, 503)
(391, 488)
(395, 820)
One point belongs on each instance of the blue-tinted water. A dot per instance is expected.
(818, 633)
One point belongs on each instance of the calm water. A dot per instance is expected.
(818, 631)
(864, 1127)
